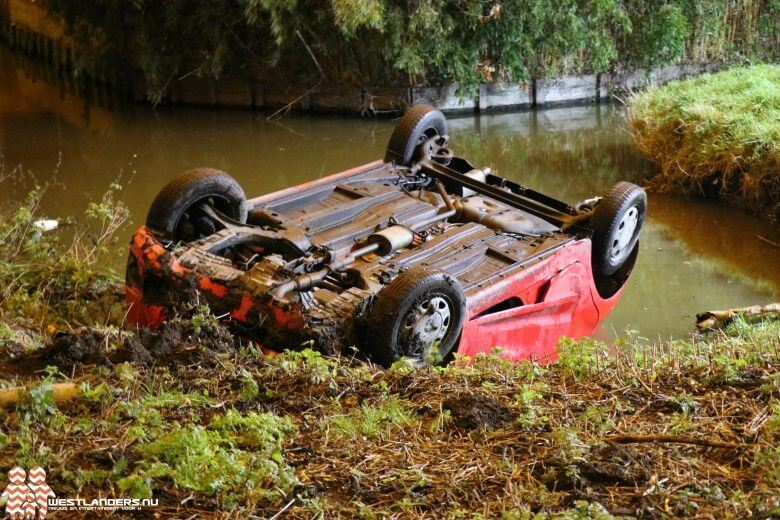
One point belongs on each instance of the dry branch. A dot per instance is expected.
(713, 320)
(63, 392)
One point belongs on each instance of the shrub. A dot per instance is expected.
(49, 284)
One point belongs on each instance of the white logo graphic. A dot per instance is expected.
(27, 500)
(28, 497)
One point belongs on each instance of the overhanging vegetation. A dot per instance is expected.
(374, 43)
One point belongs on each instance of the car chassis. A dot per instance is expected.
(419, 255)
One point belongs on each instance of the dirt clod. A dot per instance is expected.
(174, 341)
(476, 412)
(614, 464)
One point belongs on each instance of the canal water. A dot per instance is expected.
(695, 255)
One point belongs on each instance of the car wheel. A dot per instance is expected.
(418, 124)
(616, 223)
(419, 316)
(175, 213)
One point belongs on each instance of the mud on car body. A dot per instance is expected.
(418, 255)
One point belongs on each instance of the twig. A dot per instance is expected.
(308, 49)
(282, 510)
(678, 439)
(767, 241)
(286, 108)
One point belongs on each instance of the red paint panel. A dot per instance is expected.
(140, 314)
(570, 306)
(243, 309)
(527, 332)
(217, 289)
(286, 319)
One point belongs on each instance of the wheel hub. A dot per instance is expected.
(427, 323)
(194, 223)
(623, 235)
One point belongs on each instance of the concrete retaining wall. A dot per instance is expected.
(491, 97)
(24, 25)
(498, 96)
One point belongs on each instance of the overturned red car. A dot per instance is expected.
(418, 256)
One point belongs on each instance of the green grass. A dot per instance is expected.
(370, 421)
(716, 135)
(236, 456)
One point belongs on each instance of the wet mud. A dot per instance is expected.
(174, 342)
(476, 412)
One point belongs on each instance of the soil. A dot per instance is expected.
(474, 457)
(476, 412)
(172, 342)
(615, 464)
(180, 297)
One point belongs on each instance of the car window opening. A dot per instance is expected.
(504, 305)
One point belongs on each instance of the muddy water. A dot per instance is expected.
(695, 256)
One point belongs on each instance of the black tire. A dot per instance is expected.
(613, 239)
(388, 335)
(418, 124)
(169, 213)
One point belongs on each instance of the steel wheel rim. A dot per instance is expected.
(624, 235)
(426, 325)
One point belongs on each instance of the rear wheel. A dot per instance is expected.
(418, 315)
(418, 124)
(176, 211)
(617, 222)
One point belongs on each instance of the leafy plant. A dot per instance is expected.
(370, 421)
(238, 456)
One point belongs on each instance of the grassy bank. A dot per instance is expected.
(716, 136)
(205, 423)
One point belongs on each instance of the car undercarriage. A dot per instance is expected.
(399, 258)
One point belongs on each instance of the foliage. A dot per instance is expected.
(370, 422)
(50, 284)
(380, 42)
(660, 33)
(716, 135)
(236, 455)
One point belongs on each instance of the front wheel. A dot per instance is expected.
(419, 316)
(616, 223)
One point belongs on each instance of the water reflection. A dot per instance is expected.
(695, 256)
